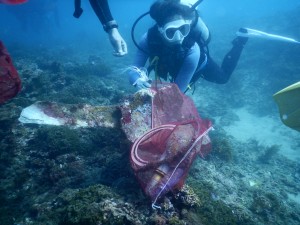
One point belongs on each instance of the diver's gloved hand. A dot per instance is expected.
(118, 43)
(138, 77)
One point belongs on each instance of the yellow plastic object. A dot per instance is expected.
(288, 101)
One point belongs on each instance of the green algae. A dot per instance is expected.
(76, 206)
(211, 210)
(222, 147)
(268, 154)
(97, 204)
(55, 141)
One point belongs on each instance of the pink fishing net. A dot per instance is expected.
(10, 83)
(162, 156)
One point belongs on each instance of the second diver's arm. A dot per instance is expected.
(140, 60)
(141, 55)
(188, 68)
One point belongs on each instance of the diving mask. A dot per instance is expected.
(176, 31)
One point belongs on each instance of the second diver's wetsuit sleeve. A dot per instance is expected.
(188, 68)
(140, 59)
(101, 8)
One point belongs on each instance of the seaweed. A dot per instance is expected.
(268, 154)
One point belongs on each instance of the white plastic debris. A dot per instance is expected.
(35, 115)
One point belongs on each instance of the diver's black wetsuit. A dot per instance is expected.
(214, 73)
(102, 10)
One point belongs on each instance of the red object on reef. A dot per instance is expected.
(13, 2)
(10, 83)
(162, 156)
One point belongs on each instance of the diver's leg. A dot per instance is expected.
(214, 73)
(231, 58)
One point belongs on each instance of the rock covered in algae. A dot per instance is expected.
(134, 113)
(187, 196)
(77, 115)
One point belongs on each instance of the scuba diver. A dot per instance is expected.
(110, 26)
(177, 48)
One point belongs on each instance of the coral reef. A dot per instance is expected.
(187, 197)
(94, 205)
(221, 145)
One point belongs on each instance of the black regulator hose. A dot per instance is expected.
(196, 4)
(133, 28)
